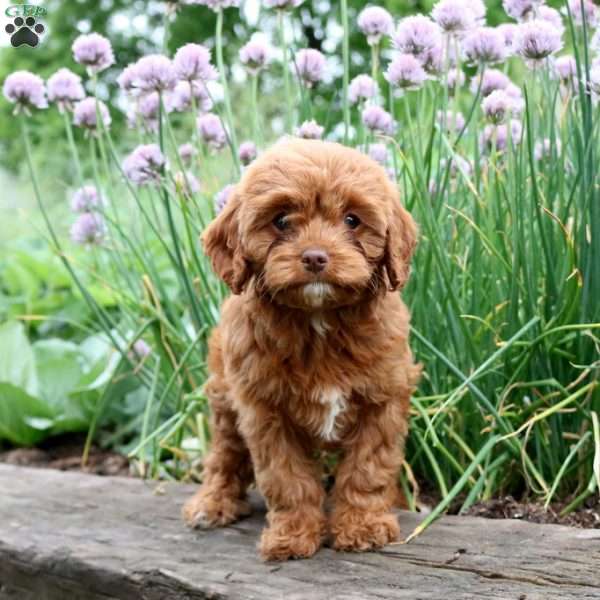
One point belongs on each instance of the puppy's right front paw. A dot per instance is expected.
(204, 511)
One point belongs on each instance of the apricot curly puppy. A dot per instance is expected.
(312, 350)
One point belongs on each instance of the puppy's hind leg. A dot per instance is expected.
(227, 468)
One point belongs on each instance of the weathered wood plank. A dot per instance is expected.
(66, 536)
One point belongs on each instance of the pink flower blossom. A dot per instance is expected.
(145, 165)
(126, 79)
(211, 131)
(222, 197)
(88, 229)
(192, 63)
(416, 34)
(484, 46)
(282, 4)
(406, 72)
(86, 199)
(508, 31)
(247, 152)
(64, 88)
(500, 136)
(361, 88)
(379, 153)
(94, 51)
(375, 22)
(84, 114)
(545, 149)
(452, 121)
(187, 152)
(215, 5)
(186, 183)
(255, 55)
(491, 80)
(310, 66)
(378, 120)
(546, 13)
(520, 9)
(566, 68)
(25, 89)
(537, 39)
(180, 99)
(155, 73)
(589, 12)
(454, 16)
(497, 106)
(310, 130)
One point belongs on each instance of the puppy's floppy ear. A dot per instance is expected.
(400, 244)
(221, 243)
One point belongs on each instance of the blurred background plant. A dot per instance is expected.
(492, 139)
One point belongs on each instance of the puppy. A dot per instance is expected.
(311, 353)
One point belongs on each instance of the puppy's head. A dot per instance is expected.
(317, 224)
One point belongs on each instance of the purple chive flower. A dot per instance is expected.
(247, 152)
(478, 8)
(455, 79)
(192, 63)
(498, 135)
(155, 73)
(566, 68)
(589, 13)
(520, 9)
(147, 108)
(310, 66)
(64, 88)
(378, 120)
(379, 153)
(457, 164)
(211, 130)
(180, 99)
(492, 80)
(375, 22)
(126, 79)
(433, 60)
(595, 41)
(86, 199)
(416, 35)
(594, 81)
(310, 130)
(543, 149)
(255, 55)
(187, 152)
(144, 165)
(215, 5)
(454, 16)
(497, 106)
(508, 31)
(406, 72)
(222, 197)
(453, 121)
(88, 229)
(484, 45)
(282, 4)
(84, 114)
(362, 87)
(26, 90)
(546, 13)
(93, 51)
(141, 349)
(537, 39)
(186, 183)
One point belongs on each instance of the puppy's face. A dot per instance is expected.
(318, 225)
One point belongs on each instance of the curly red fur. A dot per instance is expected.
(304, 361)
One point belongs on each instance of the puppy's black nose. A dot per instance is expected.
(315, 259)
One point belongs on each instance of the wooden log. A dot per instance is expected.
(68, 536)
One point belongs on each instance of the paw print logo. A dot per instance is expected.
(25, 31)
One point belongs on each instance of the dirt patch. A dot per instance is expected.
(65, 454)
(588, 516)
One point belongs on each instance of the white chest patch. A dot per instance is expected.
(334, 400)
(315, 293)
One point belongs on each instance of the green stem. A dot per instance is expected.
(73, 147)
(286, 74)
(346, 61)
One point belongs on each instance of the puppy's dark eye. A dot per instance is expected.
(281, 222)
(352, 221)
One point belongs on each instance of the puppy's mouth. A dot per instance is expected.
(317, 293)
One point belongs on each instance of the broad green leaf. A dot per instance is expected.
(24, 419)
(17, 361)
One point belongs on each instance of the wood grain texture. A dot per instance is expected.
(66, 536)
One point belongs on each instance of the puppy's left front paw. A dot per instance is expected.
(356, 531)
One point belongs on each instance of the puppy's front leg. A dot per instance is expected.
(366, 481)
(288, 478)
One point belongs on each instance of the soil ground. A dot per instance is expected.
(64, 453)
